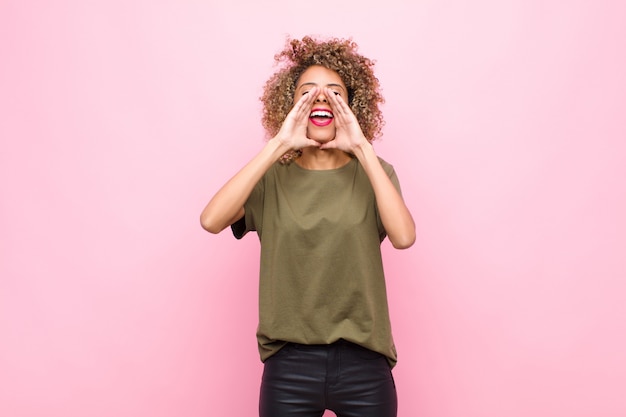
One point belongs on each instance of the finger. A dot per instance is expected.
(340, 107)
(337, 101)
(312, 143)
(305, 104)
(329, 145)
(332, 100)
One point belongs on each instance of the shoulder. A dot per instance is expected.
(275, 169)
(387, 167)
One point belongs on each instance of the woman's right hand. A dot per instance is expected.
(227, 205)
(292, 133)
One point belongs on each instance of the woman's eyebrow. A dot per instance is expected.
(335, 85)
(315, 84)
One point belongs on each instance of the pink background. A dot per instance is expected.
(119, 120)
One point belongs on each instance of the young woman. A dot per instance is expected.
(321, 202)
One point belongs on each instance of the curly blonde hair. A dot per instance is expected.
(339, 55)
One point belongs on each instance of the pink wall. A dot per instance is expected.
(118, 120)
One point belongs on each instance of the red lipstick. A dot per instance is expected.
(321, 117)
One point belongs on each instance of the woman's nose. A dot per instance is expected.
(321, 98)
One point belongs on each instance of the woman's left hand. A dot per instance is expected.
(349, 135)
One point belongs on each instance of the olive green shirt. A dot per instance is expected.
(321, 274)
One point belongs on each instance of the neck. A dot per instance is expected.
(318, 159)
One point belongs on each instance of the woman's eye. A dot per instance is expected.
(337, 93)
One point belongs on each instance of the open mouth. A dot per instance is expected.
(321, 117)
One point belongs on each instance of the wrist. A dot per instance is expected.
(363, 149)
(278, 147)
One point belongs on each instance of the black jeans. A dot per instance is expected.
(305, 380)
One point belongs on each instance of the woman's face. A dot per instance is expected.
(321, 126)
